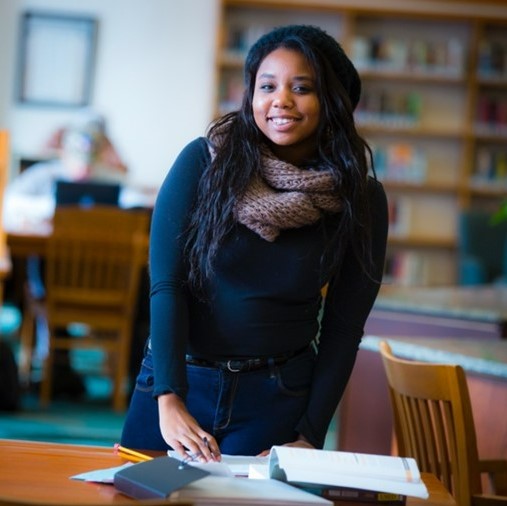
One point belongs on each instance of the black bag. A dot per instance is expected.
(10, 388)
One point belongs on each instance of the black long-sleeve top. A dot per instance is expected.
(264, 298)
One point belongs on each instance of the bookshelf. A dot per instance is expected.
(433, 108)
(488, 169)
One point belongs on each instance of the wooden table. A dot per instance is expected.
(39, 473)
(26, 242)
(476, 312)
(23, 243)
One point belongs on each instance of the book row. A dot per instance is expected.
(412, 267)
(492, 58)
(380, 106)
(491, 165)
(400, 162)
(492, 110)
(396, 54)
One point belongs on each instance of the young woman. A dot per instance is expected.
(251, 226)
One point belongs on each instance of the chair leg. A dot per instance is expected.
(47, 379)
(26, 335)
(121, 375)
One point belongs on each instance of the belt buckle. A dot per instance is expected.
(230, 368)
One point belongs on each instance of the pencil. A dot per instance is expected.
(132, 459)
(131, 454)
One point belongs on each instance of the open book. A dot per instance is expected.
(381, 473)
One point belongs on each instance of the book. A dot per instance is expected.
(346, 495)
(380, 473)
(156, 478)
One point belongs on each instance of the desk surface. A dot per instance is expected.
(39, 472)
(31, 240)
(25, 243)
(479, 303)
(487, 358)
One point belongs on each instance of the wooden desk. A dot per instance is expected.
(476, 312)
(29, 242)
(39, 472)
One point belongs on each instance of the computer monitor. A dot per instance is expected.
(87, 193)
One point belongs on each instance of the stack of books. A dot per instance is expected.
(289, 475)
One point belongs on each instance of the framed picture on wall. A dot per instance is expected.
(56, 59)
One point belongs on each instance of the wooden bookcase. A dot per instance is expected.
(433, 107)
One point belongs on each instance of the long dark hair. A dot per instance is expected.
(341, 150)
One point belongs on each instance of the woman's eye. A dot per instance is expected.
(266, 87)
(302, 89)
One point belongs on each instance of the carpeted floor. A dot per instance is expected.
(90, 420)
(80, 423)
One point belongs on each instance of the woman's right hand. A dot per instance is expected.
(181, 431)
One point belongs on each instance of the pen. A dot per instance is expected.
(206, 444)
(131, 454)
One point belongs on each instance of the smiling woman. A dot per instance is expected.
(272, 205)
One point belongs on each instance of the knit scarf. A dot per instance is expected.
(285, 196)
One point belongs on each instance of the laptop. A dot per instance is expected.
(87, 193)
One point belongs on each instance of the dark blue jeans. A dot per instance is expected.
(246, 412)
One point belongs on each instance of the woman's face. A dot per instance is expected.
(285, 105)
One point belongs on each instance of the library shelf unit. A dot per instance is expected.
(433, 108)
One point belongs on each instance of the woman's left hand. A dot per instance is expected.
(301, 442)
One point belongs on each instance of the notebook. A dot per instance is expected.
(155, 478)
(87, 193)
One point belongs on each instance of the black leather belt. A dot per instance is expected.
(244, 365)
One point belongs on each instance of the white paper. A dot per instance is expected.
(101, 475)
(237, 491)
(239, 465)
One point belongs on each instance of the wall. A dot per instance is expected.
(154, 78)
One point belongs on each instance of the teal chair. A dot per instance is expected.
(482, 249)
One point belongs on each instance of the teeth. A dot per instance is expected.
(281, 121)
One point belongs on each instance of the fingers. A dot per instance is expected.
(179, 449)
(200, 448)
(209, 449)
(182, 432)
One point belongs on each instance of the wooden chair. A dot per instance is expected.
(93, 265)
(433, 423)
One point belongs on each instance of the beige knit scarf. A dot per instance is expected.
(284, 197)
